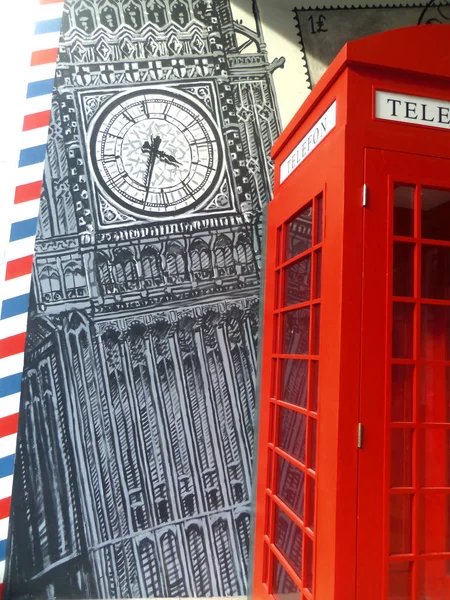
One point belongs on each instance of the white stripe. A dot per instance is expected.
(49, 11)
(20, 248)
(41, 72)
(11, 365)
(25, 210)
(6, 487)
(16, 287)
(34, 137)
(9, 405)
(4, 526)
(8, 445)
(45, 41)
(2, 570)
(38, 104)
(13, 325)
(30, 174)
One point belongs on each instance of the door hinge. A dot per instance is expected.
(364, 195)
(360, 435)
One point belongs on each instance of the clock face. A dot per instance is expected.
(156, 153)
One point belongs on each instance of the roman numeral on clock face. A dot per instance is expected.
(118, 178)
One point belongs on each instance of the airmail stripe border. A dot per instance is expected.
(15, 289)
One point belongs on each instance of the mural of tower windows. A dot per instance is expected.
(141, 351)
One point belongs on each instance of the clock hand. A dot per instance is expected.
(151, 150)
(168, 158)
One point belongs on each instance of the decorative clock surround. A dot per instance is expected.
(142, 337)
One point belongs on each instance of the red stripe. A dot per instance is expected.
(12, 345)
(8, 425)
(5, 506)
(44, 57)
(19, 267)
(29, 191)
(41, 119)
(51, 1)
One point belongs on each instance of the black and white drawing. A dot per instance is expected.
(134, 458)
(324, 31)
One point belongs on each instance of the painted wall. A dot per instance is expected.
(133, 467)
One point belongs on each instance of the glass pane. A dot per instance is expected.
(268, 516)
(298, 233)
(277, 303)
(435, 332)
(319, 219)
(435, 272)
(316, 331)
(402, 393)
(434, 523)
(402, 330)
(296, 331)
(435, 214)
(400, 524)
(401, 458)
(297, 281)
(311, 503)
(289, 539)
(403, 276)
(270, 469)
(291, 486)
(314, 385)
(400, 581)
(294, 383)
(309, 558)
(273, 379)
(312, 423)
(404, 210)
(434, 457)
(282, 585)
(276, 320)
(278, 242)
(434, 399)
(318, 280)
(292, 433)
(433, 580)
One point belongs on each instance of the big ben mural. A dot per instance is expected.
(134, 456)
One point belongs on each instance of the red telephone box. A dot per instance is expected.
(353, 484)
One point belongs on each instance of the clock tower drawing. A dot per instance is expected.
(134, 460)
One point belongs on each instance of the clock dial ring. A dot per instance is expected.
(156, 152)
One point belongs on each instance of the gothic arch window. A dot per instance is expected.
(172, 566)
(84, 16)
(125, 269)
(105, 272)
(199, 561)
(243, 529)
(75, 280)
(200, 7)
(151, 266)
(50, 284)
(133, 14)
(200, 260)
(223, 251)
(224, 554)
(150, 569)
(109, 16)
(180, 12)
(176, 263)
(156, 12)
(245, 254)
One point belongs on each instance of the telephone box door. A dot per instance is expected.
(404, 460)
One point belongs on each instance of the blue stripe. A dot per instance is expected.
(3, 545)
(32, 156)
(40, 88)
(48, 26)
(6, 468)
(23, 229)
(10, 385)
(15, 306)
